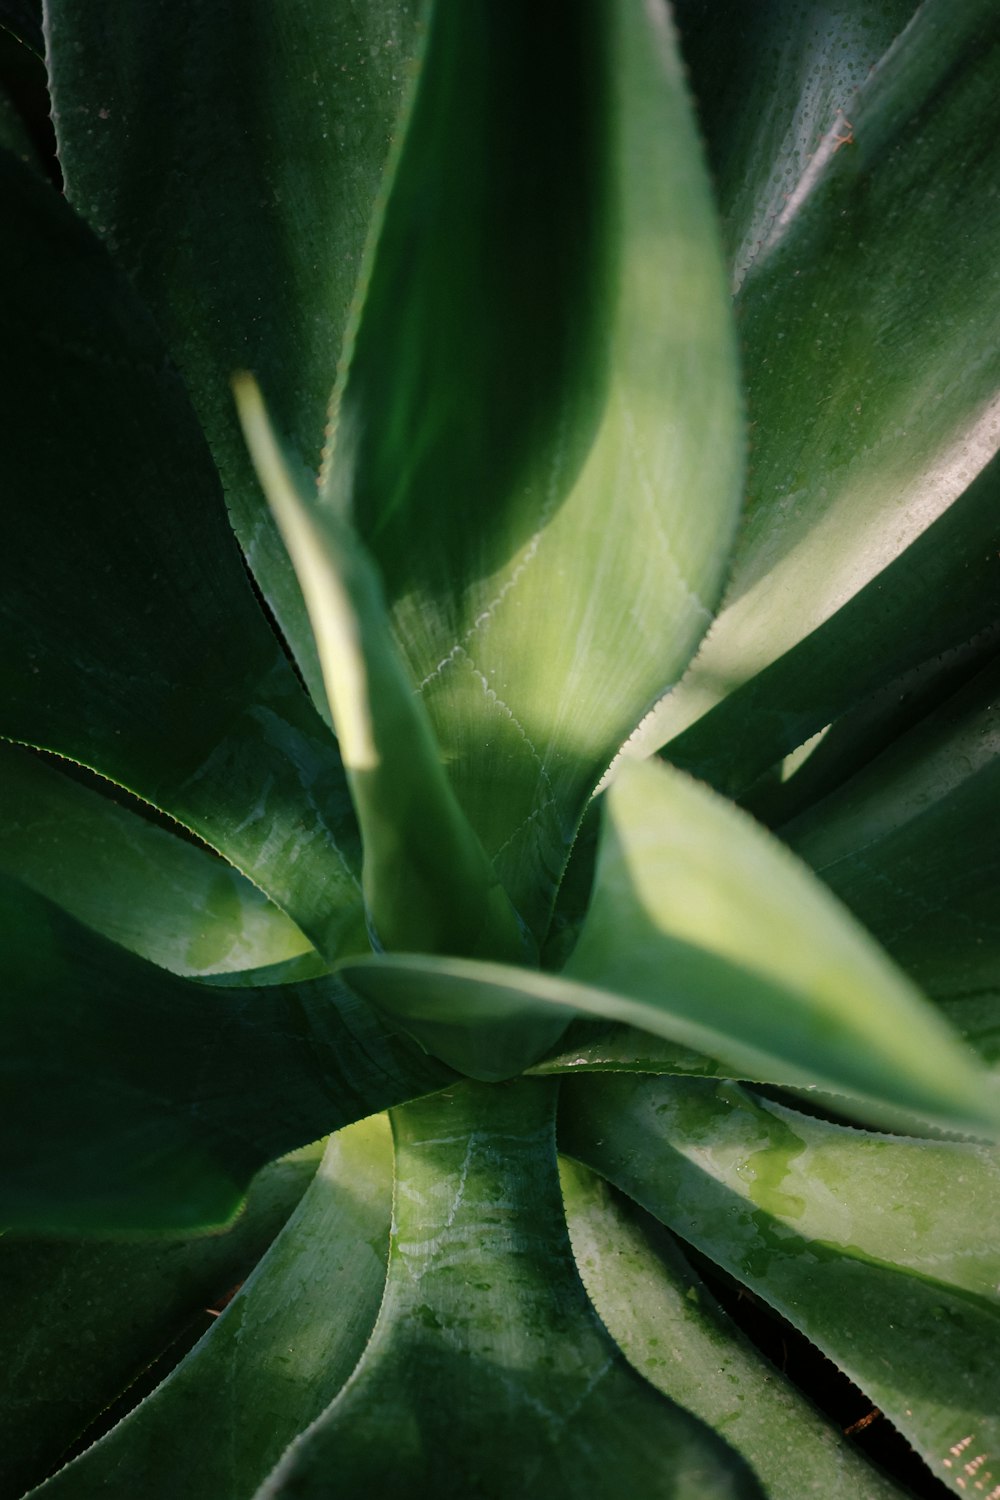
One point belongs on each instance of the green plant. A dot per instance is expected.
(487, 228)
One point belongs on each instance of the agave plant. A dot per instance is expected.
(427, 741)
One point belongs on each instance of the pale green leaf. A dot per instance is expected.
(883, 1251)
(159, 895)
(670, 1327)
(700, 911)
(540, 351)
(427, 883)
(488, 1371)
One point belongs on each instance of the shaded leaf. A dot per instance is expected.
(768, 85)
(135, 1099)
(596, 1047)
(131, 641)
(234, 157)
(23, 19)
(671, 1328)
(936, 595)
(161, 896)
(534, 348)
(281, 1350)
(871, 366)
(427, 883)
(909, 844)
(882, 1251)
(488, 1371)
(80, 1320)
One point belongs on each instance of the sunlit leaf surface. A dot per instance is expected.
(157, 894)
(700, 911)
(883, 1251)
(502, 403)
(488, 1371)
(427, 882)
(671, 1328)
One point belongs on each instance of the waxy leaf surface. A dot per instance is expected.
(867, 317)
(882, 1250)
(136, 1099)
(909, 843)
(488, 1371)
(131, 641)
(698, 910)
(502, 403)
(427, 882)
(670, 1327)
(233, 156)
(154, 893)
(128, 1301)
(278, 1355)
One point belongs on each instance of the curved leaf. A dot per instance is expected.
(278, 1354)
(938, 594)
(488, 1371)
(768, 84)
(234, 157)
(23, 19)
(130, 639)
(909, 844)
(871, 365)
(534, 348)
(427, 882)
(700, 911)
(126, 1302)
(154, 893)
(135, 1099)
(595, 1047)
(882, 1251)
(671, 1328)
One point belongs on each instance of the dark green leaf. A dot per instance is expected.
(135, 1099)
(535, 348)
(234, 157)
(872, 368)
(769, 82)
(882, 1251)
(14, 135)
(937, 594)
(595, 1047)
(671, 1328)
(79, 1321)
(130, 639)
(488, 1371)
(161, 896)
(910, 844)
(279, 1353)
(23, 19)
